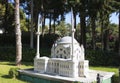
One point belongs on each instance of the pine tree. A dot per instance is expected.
(18, 34)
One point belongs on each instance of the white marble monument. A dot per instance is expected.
(67, 58)
(62, 62)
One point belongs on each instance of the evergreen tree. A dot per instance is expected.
(18, 34)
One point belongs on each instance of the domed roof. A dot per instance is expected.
(66, 39)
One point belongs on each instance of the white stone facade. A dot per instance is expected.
(62, 61)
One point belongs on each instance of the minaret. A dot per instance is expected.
(75, 63)
(73, 31)
(38, 36)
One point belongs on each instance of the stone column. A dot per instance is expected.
(38, 48)
(38, 37)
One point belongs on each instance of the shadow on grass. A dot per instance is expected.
(11, 64)
(7, 63)
(27, 63)
(23, 63)
(6, 76)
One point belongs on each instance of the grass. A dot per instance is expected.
(108, 69)
(115, 78)
(5, 66)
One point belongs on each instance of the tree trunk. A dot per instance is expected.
(102, 26)
(50, 24)
(119, 34)
(43, 24)
(43, 17)
(6, 16)
(74, 17)
(106, 37)
(18, 34)
(93, 34)
(83, 30)
(54, 25)
(106, 40)
(31, 30)
(74, 14)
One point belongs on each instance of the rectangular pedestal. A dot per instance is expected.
(31, 76)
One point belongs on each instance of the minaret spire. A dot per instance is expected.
(73, 31)
(38, 35)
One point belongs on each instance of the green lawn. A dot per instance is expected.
(109, 69)
(5, 66)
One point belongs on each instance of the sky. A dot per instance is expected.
(113, 18)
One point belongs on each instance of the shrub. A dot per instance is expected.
(9, 54)
(7, 39)
(102, 58)
(13, 72)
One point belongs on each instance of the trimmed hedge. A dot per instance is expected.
(9, 54)
(96, 58)
(7, 40)
(102, 58)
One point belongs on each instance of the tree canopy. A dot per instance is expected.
(94, 17)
